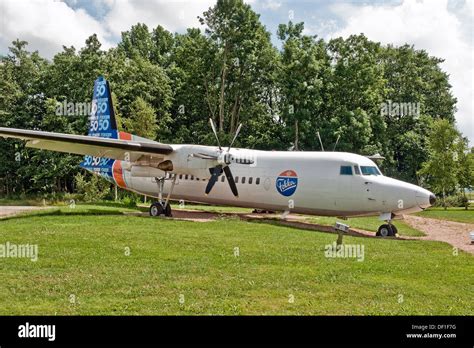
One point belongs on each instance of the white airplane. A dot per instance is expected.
(318, 183)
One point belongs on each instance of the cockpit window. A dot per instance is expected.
(369, 170)
(346, 170)
(356, 170)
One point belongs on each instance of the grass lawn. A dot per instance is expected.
(190, 268)
(453, 214)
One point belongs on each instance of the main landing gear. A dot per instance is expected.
(387, 230)
(162, 207)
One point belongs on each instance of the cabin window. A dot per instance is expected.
(186, 177)
(257, 181)
(192, 177)
(356, 170)
(346, 170)
(223, 178)
(250, 180)
(236, 179)
(180, 176)
(243, 180)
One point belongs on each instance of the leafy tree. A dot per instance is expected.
(142, 120)
(93, 188)
(304, 67)
(354, 92)
(245, 58)
(465, 162)
(413, 77)
(441, 168)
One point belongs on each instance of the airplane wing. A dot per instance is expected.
(118, 149)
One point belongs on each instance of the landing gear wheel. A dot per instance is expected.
(168, 210)
(394, 230)
(386, 230)
(156, 209)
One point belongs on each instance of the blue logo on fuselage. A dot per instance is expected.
(287, 182)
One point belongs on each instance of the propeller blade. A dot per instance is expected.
(215, 133)
(216, 171)
(235, 137)
(230, 180)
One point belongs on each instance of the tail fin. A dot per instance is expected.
(102, 124)
(102, 119)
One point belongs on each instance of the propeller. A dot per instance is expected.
(224, 159)
(215, 173)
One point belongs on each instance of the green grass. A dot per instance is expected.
(82, 253)
(453, 214)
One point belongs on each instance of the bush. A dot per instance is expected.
(93, 189)
(129, 201)
(457, 200)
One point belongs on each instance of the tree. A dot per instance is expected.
(465, 172)
(138, 77)
(354, 92)
(304, 68)
(441, 169)
(245, 59)
(142, 120)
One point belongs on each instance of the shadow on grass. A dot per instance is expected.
(302, 226)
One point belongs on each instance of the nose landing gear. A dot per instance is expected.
(387, 230)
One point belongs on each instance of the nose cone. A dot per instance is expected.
(425, 198)
(432, 199)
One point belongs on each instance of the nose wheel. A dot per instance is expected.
(387, 230)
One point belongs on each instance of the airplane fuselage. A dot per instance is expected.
(319, 183)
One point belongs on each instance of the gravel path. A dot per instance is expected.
(10, 210)
(454, 233)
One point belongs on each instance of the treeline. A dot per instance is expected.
(369, 97)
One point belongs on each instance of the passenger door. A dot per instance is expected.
(345, 182)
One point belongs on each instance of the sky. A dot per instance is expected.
(444, 28)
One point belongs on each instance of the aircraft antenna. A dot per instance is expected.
(320, 141)
(337, 140)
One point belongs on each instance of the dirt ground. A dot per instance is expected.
(454, 233)
(13, 210)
